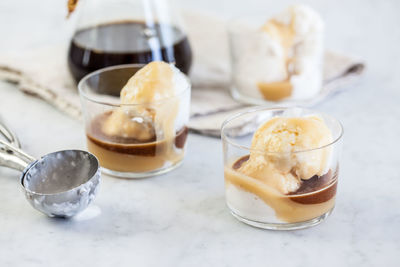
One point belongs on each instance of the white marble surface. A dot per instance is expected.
(180, 219)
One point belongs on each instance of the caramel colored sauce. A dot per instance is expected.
(284, 34)
(130, 155)
(276, 90)
(315, 196)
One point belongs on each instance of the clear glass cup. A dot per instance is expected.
(157, 148)
(115, 32)
(257, 202)
(261, 74)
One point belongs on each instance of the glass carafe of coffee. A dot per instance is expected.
(114, 32)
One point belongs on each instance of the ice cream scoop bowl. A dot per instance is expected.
(59, 184)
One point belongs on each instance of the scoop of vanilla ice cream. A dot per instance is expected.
(155, 81)
(127, 123)
(152, 84)
(287, 149)
(293, 145)
(257, 167)
(305, 22)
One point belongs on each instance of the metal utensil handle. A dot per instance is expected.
(13, 157)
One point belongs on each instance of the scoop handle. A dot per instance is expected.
(9, 135)
(13, 157)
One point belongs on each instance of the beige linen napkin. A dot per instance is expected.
(44, 73)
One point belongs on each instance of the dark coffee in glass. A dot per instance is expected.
(126, 42)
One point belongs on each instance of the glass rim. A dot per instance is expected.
(123, 66)
(225, 138)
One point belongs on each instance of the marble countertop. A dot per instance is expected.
(180, 219)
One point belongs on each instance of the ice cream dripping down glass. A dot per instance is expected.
(135, 118)
(114, 32)
(283, 175)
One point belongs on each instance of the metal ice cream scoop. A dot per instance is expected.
(59, 184)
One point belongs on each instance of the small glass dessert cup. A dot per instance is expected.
(277, 59)
(145, 147)
(270, 182)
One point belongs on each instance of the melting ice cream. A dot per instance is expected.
(286, 153)
(147, 131)
(155, 82)
(283, 60)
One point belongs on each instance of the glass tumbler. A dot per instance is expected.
(264, 75)
(160, 131)
(255, 199)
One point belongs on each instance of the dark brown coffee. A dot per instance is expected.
(317, 189)
(127, 42)
(131, 145)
